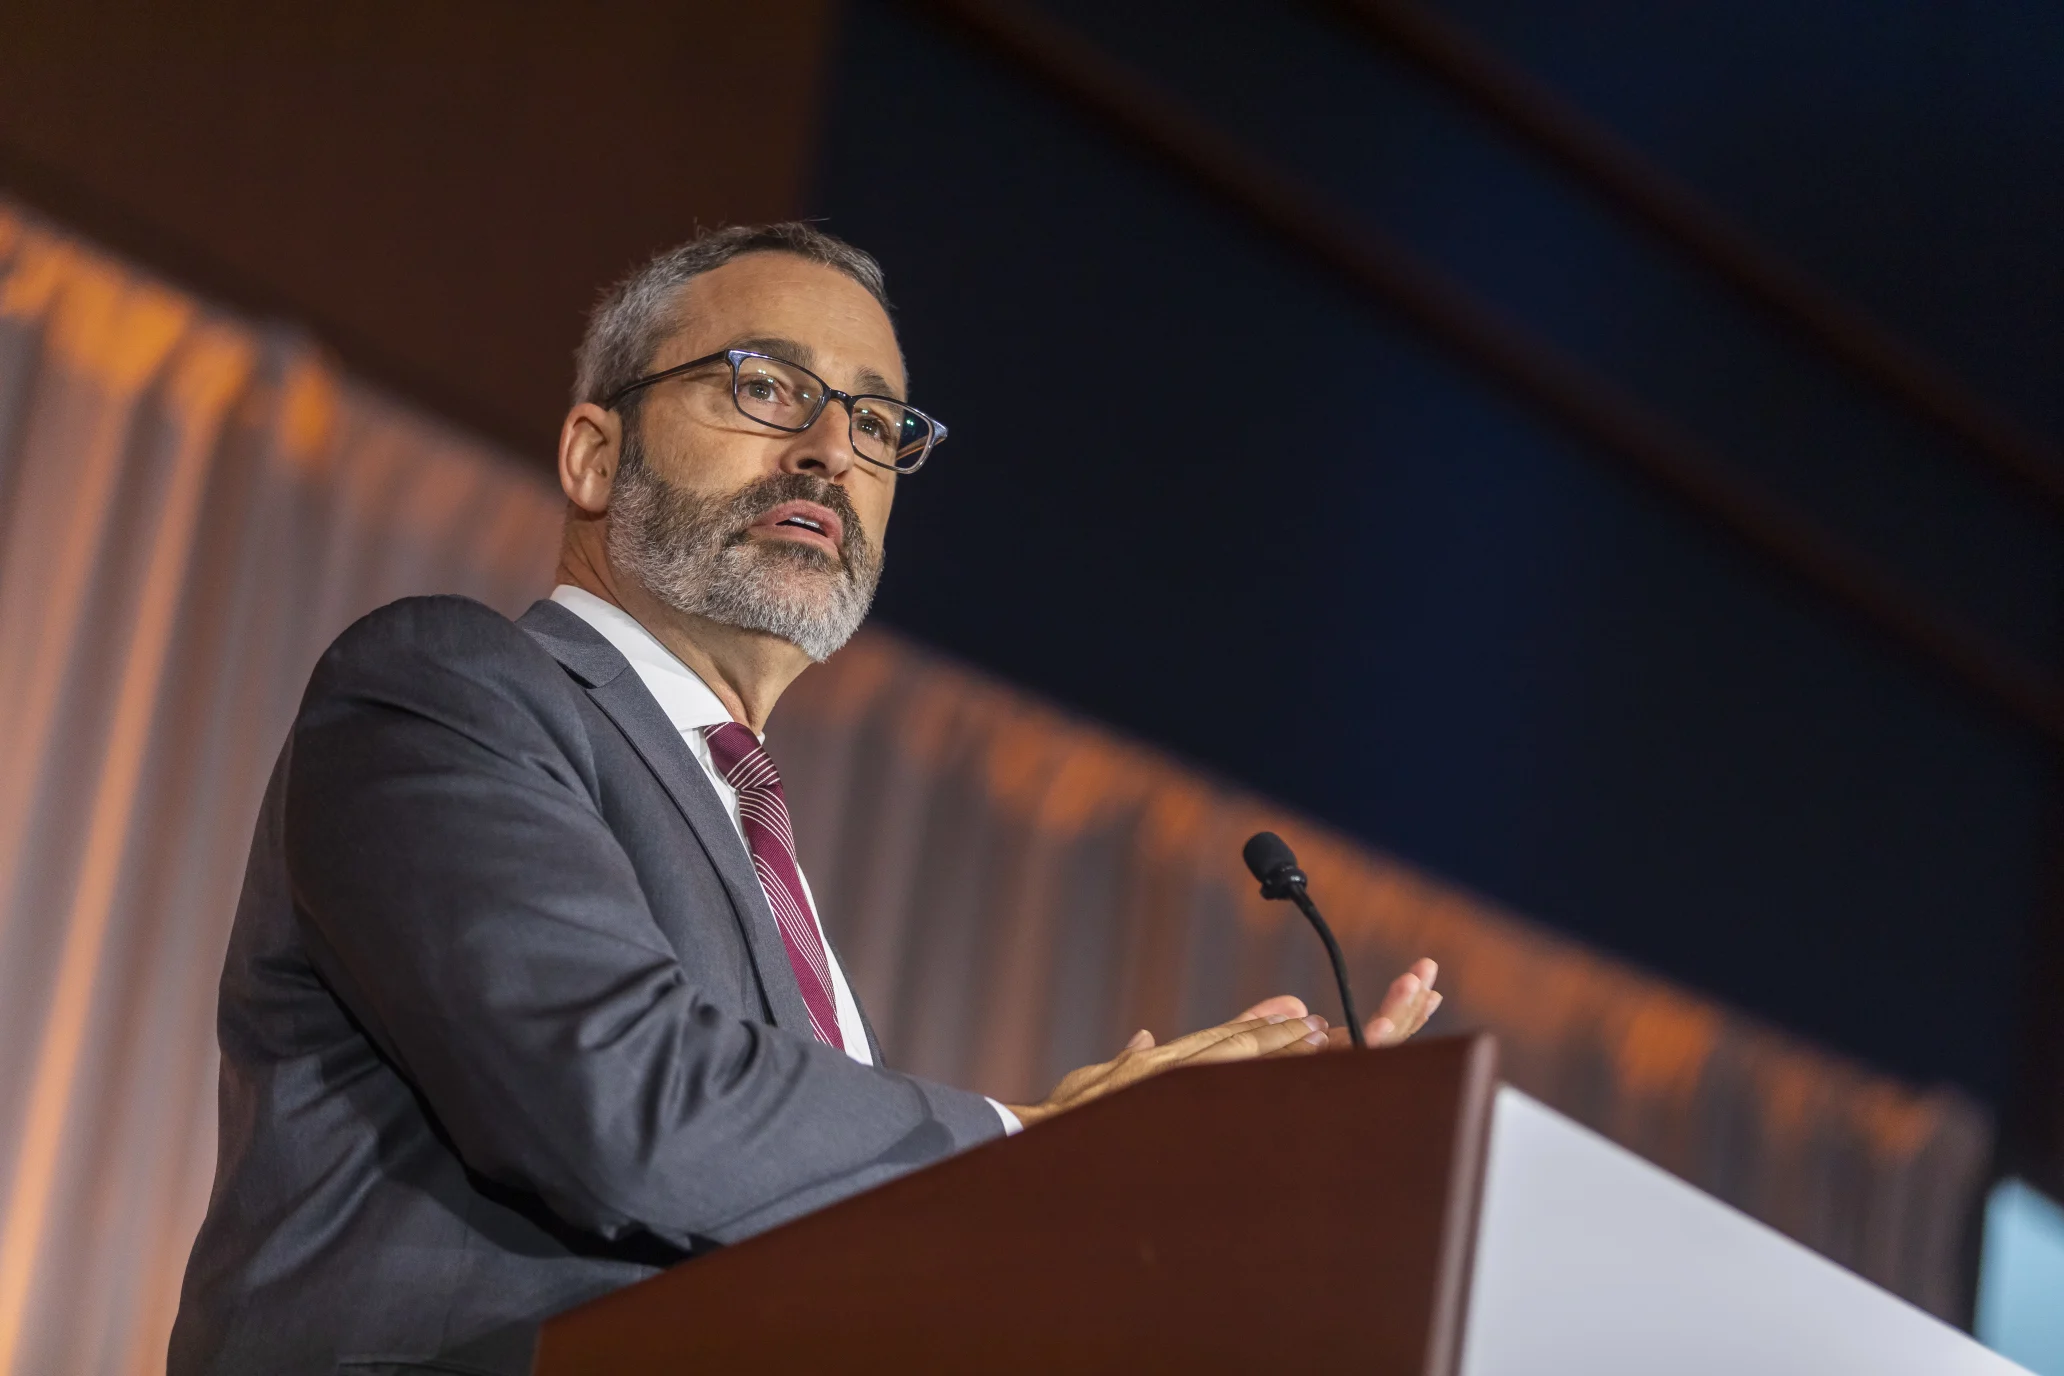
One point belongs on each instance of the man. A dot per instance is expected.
(527, 996)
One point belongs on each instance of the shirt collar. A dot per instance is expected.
(683, 696)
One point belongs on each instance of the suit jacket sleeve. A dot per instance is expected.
(460, 893)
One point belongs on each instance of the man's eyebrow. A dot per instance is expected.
(871, 383)
(866, 381)
(787, 350)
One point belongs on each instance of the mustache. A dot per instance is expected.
(762, 495)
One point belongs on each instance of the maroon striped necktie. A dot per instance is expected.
(763, 817)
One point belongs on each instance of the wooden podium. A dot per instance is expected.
(1318, 1211)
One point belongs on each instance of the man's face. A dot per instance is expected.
(721, 517)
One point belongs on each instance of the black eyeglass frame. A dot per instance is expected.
(936, 429)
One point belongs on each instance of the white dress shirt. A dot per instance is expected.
(690, 706)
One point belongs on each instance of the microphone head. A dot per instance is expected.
(1267, 855)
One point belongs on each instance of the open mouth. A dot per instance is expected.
(802, 523)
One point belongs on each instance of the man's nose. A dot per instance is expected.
(826, 448)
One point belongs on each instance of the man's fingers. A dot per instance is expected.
(1188, 1045)
(1404, 991)
(1141, 1059)
(1260, 1040)
(1407, 1003)
(1397, 1024)
(1304, 1046)
(1287, 1005)
(1420, 1010)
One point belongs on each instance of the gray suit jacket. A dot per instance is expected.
(506, 1022)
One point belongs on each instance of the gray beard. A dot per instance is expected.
(692, 553)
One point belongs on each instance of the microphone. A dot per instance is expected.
(1271, 861)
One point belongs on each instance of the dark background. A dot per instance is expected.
(1198, 486)
(439, 191)
(1204, 492)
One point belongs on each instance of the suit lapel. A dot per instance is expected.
(622, 696)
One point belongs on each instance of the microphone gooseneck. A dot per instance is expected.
(1272, 861)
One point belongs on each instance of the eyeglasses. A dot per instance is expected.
(785, 396)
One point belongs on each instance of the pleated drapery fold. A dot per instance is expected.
(192, 506)
(1018, 891)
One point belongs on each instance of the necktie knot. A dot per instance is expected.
(740, 758)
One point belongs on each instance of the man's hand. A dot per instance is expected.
(1407, 1004)
(1280, 1026)
(1245, 1038)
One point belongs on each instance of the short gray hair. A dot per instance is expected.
(636, 315)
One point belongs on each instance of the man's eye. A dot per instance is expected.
(759, 389)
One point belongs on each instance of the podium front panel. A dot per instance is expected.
(1317, 1212)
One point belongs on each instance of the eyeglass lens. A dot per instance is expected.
(781, 394)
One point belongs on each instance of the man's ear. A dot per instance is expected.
(590, 448)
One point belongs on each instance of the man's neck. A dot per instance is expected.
(747, 670)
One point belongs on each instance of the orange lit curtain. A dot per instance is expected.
(191, 506)
(1017, 891)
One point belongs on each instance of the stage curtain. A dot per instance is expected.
(192, 505)
(1018, 891)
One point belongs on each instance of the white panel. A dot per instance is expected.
(1592, 1262)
